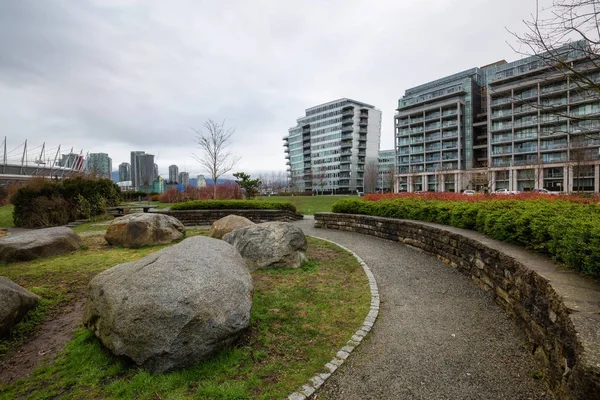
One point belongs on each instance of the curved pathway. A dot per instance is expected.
(437, 336)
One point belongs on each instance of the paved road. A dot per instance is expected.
(437, 337)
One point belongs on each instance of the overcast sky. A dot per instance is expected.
(116, 76)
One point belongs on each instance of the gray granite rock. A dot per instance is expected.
(37, 243)
(15, 302)
(142, 229)
(174, 307)
(269, 244)
(228, 224)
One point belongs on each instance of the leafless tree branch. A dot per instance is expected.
(213, 140)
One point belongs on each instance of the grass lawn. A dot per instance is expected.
(299, 319)
(308, 205)
(6, 219)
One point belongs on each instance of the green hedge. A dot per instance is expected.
(52, 203)
(569, 232)
(233, 205)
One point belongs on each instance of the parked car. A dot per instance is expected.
(501, 191)
(543, 191)
(505, 191)
(469, 192)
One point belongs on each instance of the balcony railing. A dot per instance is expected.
(551, 146)
(528, 149)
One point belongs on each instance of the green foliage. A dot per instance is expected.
(83, 208)
(6, 216)
(567, 231)
(232, 205)
(249, 185)
(53, 203)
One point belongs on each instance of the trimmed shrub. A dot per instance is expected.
(233, 205)
(568, 231)
(44, 203)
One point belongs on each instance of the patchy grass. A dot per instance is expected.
(61, 279)
(299, 319)
(308, 205)
(6, 216)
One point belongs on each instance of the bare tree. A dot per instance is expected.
(370, 177)
(565, 39)
(389, 175)
(213, 140)
(320, 178)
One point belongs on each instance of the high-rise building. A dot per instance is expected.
(124, 172)
(155, 171)
(72, 161)
(100, 165)
(519, 126)
(173, 173)
(328, 148)
(201, 181)
(184, 178)
(142, 169)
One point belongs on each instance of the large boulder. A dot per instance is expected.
(15, 302)
(142, 229)
(28, 245)
(227, 224)
(174, 307)
(269, 244)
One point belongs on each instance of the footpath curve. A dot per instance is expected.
(437, 335)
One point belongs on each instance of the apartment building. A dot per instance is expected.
(99, 164)
(329, 147)
(142, 170)
(173, 173)
(124, 172)
(434, 132)
(519, 125)
(184, 178)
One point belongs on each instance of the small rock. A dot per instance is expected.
(227, 224)
(269, 244)
(142, 229)
(37, 243)
(15, 303)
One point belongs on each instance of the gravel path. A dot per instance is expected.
(437, 336)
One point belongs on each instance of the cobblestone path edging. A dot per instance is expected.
(318, 379)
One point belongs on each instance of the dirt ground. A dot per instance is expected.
(51, 338)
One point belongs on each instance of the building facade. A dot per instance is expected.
(329, 147)
(386, 165)
(184, 178)
(72, 161)
(173, 173)
(142, 170)
(519, 126)
(124, 172)
(100, 165)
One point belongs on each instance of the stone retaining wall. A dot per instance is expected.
(207, 217)
(557, 309)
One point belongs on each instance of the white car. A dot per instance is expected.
(544, 191)
(469, 192)
(502, 191)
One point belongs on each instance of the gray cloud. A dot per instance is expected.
(116, 76)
